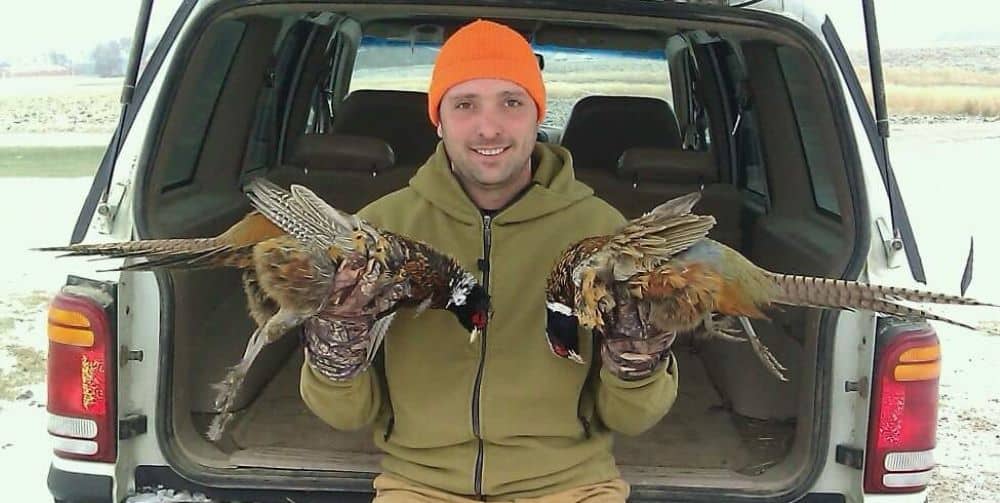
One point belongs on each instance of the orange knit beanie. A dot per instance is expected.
(484, 49)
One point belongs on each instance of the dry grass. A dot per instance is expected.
(578, 90)
(389, 83)
(20, 365)
(943, 100)
(28, 368)
(938, 91)
(927, 77)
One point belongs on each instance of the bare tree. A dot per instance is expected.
(109, 57)
(60, 59)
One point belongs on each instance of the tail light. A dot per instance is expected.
(903, 420)
(81, 375)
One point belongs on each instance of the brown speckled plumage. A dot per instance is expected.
(290, 249)
(680, 279)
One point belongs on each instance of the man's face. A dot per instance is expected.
(489, 128)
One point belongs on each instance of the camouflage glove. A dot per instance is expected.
(339, 340)
(631, 349)
(336, 349)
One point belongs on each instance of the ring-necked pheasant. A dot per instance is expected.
(290, 250)
(680, 280)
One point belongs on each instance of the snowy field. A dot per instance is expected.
(948, 172)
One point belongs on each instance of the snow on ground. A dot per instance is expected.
(947, 172)
(36, 212)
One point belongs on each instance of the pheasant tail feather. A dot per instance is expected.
(840, 294)
(165, 253)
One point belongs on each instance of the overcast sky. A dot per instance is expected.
(29, 28)
(32, 27)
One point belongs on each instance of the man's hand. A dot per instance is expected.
(631, 349)
(339, 340)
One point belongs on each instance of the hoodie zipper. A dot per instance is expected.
(476, 427)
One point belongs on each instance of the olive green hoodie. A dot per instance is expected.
(502, 417)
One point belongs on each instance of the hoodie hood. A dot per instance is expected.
(555, 187)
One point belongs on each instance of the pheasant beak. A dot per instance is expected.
(478, 324)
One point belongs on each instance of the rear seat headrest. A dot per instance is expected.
(600, 128)
(668, 165)
(397, 117)
(341, 152)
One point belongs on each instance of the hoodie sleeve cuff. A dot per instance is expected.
(665, 368)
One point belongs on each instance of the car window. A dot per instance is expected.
(393, 65)
(569, 73)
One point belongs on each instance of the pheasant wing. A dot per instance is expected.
(302, 214)
(648, 241)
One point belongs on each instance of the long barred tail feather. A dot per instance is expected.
(134, 248)
(195, 253)
(840, 294)
(914, 312)
(827, 292)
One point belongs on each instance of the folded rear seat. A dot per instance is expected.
(347, 171)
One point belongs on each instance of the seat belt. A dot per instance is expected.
(693, 137)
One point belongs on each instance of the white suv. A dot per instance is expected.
(756, 105)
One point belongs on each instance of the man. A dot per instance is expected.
(503, 418)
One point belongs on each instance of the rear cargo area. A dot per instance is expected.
(277, 430)
(776, 180)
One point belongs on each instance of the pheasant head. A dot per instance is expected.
(470, 304)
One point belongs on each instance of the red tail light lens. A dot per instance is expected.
(81, 364)
(903, 421)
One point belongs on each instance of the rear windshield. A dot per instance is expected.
(569, 73)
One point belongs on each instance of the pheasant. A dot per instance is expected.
(291, 249)
(680, 280)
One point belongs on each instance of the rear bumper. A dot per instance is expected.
(72, 487)
(164, 476)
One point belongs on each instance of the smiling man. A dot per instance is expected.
(503, 418)
(490, 136)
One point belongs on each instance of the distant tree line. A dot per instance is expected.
(106, 59)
